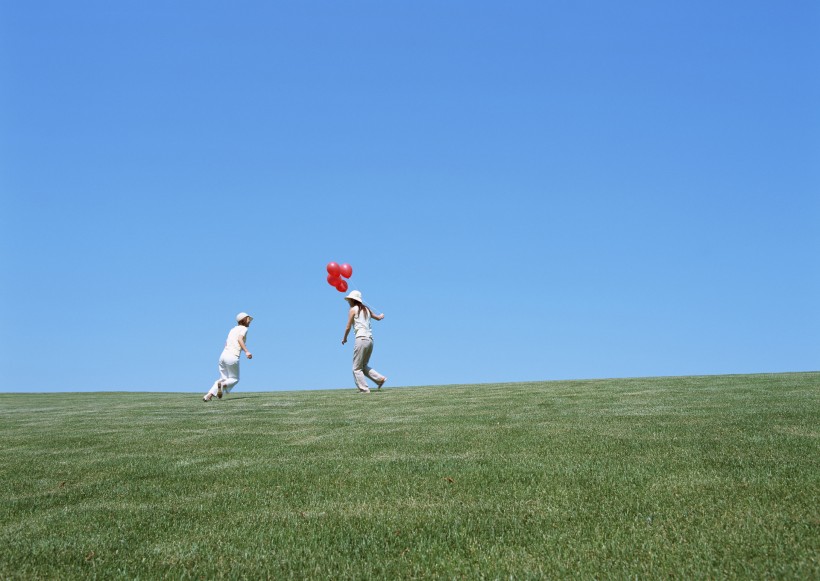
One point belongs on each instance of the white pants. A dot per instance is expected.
(228, 372)
(362, 349)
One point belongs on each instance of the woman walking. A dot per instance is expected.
(359, 317)
(229, 360)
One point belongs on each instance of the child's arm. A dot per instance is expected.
(248, 354)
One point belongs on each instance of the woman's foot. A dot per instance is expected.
(207, 398)
(219, 389)
(381, 383)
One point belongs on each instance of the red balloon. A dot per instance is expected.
(333, 269)
(333, 280)
(346, 270)
(342, 286)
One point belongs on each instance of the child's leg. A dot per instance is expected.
(229, 372)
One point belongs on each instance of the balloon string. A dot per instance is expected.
(372, 308)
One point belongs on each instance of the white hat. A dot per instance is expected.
(355, 295)
(241, 316)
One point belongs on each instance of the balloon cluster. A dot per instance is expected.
(335, 272)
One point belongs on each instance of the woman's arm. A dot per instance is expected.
(248, 354)
(377, 317)
(350, 316)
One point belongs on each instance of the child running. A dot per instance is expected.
(229, 360)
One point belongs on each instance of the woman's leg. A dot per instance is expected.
(361, 353)
(370, 372)
(375, 376)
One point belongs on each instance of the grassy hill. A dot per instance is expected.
(688, 477)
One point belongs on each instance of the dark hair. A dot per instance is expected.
(361, 306)
(245, 322)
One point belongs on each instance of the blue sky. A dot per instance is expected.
(529, 191)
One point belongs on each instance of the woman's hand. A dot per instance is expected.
(350, 315)
(248, 355)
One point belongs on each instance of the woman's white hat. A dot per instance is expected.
(241, 316)
(355, 295)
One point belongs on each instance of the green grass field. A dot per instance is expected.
(690, 477)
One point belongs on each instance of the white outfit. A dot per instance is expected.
(362, 349)
(361, 324)
(229, 360)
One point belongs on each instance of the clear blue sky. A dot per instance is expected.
(530, 191)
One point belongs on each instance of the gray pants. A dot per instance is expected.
(362, 350)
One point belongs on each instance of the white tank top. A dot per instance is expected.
(232, 343)
(361, 324)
